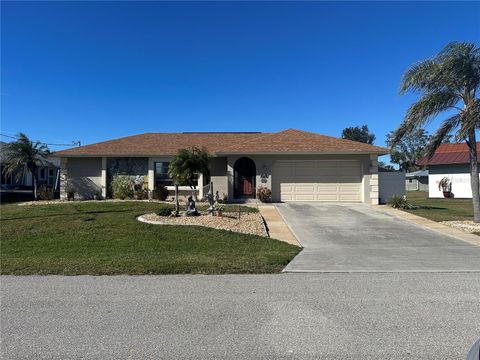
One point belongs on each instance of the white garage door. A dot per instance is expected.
(319, 180)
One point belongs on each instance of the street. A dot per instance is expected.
(285, 316)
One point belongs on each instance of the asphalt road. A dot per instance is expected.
(360, 238)
(285, 316)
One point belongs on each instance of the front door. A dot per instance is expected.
(246, 186)
(244, 174)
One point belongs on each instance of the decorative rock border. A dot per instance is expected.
(249, 223)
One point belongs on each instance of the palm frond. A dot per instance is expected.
(420, 76)
(24, 154)
(429, 106)
(470, 119)
(447, 126)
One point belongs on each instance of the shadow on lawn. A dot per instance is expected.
(72, 214)
(422, 207)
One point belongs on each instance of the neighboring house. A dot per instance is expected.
(416, 180)
(296, 165)
(451, 161)
(22, 180)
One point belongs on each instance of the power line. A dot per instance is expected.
(74, 143)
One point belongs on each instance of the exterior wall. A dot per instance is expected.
(218, 176)
(417, 184)
(83, 176)
(390, 183)
(88, 176)
(459, 175)
(265, 165)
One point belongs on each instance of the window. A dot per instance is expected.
(50, 176)
(42, 174)
(161, 174)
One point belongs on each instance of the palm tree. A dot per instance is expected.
(185, 167)
(447, 82)
(22, 155)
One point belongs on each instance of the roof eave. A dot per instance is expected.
(302, 153)
(217, 154)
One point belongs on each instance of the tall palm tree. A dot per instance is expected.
(447, 82)
(22, 155)
(185, 167)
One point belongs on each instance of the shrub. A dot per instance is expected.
(264, 194)
(399, 202)
(160, 193)
(165, 211)
(123, 187)
(141, 194)
(45, 193)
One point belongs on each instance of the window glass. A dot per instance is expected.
(161, 174)
(42, 174)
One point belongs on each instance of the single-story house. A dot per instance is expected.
(416, 180)
(450, 161)
(47, 174)
(296, 165)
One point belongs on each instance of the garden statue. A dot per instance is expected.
(191, 210)
(211, 208)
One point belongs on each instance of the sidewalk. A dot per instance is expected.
(277, 228)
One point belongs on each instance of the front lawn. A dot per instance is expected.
(440, 209)
(105, 238)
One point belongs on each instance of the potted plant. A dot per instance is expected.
(445, 185)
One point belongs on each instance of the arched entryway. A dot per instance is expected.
(244, 172)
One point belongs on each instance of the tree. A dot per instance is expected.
(407, 151)
(359, 133)
(447, 82)
(185, 167)
(382, 166)
(22, 155)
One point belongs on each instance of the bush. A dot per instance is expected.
(264, 194)
(160, 193)
(45, 193)
(165, 211)
(399, 202)
(122, 187)
(141, 194)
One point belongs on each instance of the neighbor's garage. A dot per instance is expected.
(319, 180)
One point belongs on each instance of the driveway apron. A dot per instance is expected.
(355, 237)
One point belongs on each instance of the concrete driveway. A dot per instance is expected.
(360, 238)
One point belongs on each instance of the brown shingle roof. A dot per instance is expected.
(287, 141)
(447, 154)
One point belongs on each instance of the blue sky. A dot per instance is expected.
(93, 71)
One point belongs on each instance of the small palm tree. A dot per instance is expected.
(185, 167)
(22, 155)
(447, 82)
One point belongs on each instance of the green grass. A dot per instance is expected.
(440, 209)
(105, 238)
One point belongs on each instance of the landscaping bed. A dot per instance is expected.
(105, 237)
(249, 223)
(466, 226)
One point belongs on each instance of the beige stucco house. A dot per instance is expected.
(296, 165)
